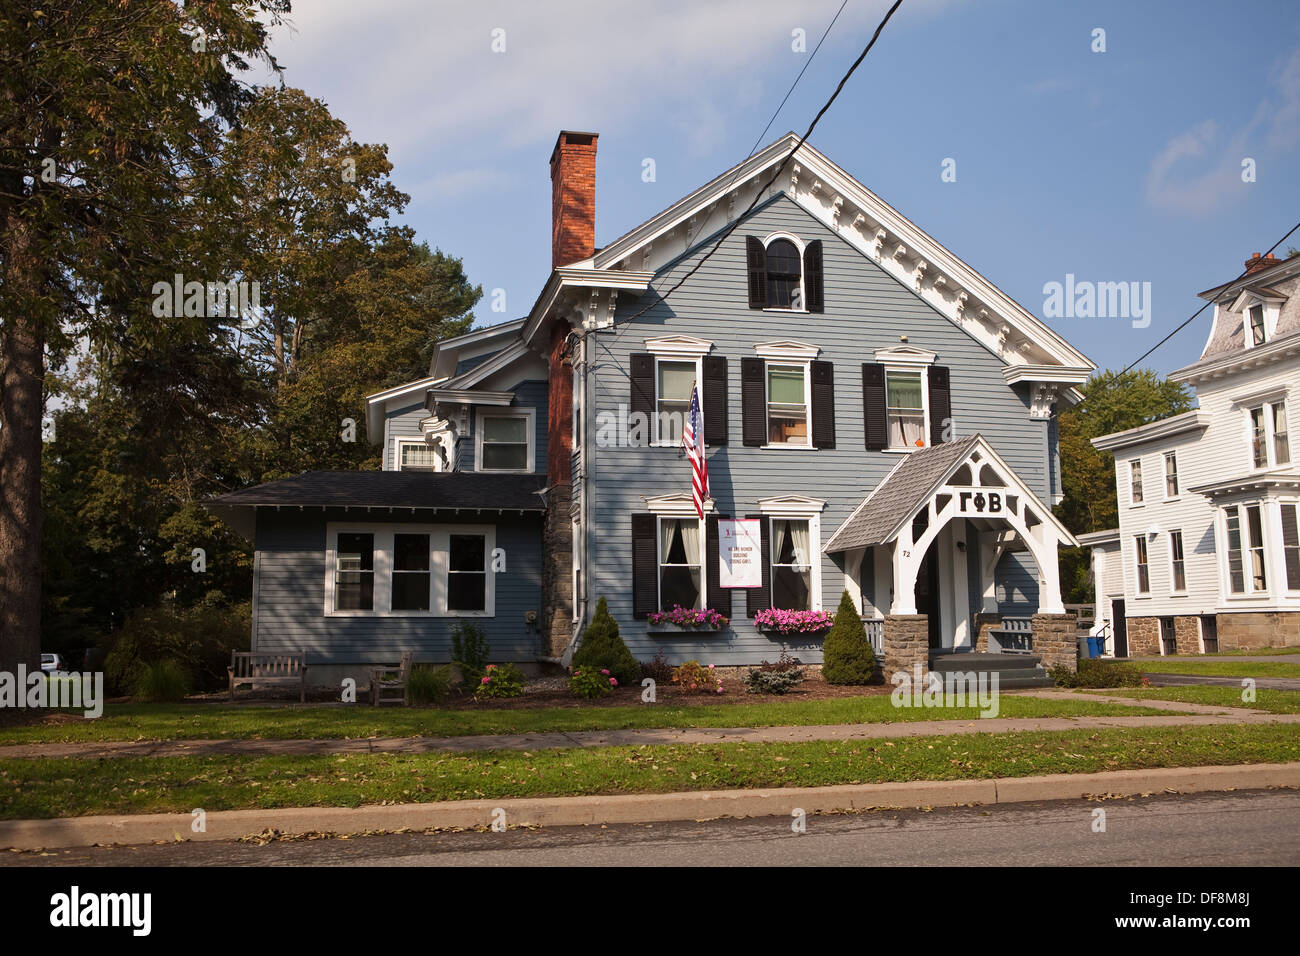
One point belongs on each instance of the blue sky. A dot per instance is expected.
(1115, 166)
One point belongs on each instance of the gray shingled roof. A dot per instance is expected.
(902, 491)
(394, 489)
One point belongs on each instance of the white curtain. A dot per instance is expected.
(691, 539)
(799, 531)
(778, 546)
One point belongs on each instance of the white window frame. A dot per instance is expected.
(529, 414)
(1140, 547)
(800, 246)
(676, 348)
(908, 358)
(1249, 592)
(1280, 573)
(439, 566)
(797, 508)
(681, 506)
(703, 599)
(1178, 486)
(400, 443)
(786, 352)
(1182, 540)
(1140, 483)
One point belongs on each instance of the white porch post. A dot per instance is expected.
(1049, 571)
(906, 563)
(988, 558)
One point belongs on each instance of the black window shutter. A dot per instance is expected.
(874, 414)
(823, 404)
(756, 259)
(643, 394)
(645, 566)
(760, 598)
(715, 400)
(716, 597)
(753, 401)
(812, 276)
(940, 404)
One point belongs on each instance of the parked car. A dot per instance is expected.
(53, 662)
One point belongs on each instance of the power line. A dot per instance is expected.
(780, 166)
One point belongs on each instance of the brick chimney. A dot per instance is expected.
(573, 198)
(1256, 262)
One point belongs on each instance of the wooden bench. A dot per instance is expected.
(268, 670)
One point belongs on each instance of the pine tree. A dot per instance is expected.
(847, 657)
(601, 647)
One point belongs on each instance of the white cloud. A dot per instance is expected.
(1199, 170)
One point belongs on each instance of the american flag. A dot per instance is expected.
(694, 446)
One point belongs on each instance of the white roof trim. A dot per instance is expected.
(1152, 431)
(787, 349)
(676, 506)
(791, 505)
(678, 345)
(905, 355)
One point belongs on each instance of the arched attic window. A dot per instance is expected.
(782, 275)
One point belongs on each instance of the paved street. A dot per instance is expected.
(1258, 828)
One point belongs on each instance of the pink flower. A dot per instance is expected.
(486, 680)
(604, 671)
(710, 667)
(613, 682)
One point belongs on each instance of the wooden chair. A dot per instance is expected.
(390, 685)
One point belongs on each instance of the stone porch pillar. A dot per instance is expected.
(1054, 640)
(985, 622)
(906, 643)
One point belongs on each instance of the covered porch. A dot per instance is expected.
(952, 558)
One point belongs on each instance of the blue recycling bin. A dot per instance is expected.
(1095, 646)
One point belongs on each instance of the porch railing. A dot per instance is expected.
(1014, 635)
(876, 635)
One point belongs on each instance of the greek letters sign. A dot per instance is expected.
(979, 503)
(740, 553)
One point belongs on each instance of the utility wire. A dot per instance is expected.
(780, 166)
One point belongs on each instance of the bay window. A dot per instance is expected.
(1291, 546)
(1247, 570)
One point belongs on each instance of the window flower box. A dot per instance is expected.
(789, 623)
(705, 620)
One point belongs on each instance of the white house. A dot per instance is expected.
(1207, 553)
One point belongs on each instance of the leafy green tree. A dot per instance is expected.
(1113, 401)
(110, 114)
(847, 657)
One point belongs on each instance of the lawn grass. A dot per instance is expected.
(38, 788)
(1221, 667)
(1257, 652)
(209, 721)
(1273, 701)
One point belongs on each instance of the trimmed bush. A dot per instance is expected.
(588, 683)
(163, 681)
(847, 657)
(602, 649)
(1094, 672)
(694, 676)
(429, 684)
(778, 678)
(500, 680)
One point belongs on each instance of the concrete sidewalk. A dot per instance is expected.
(1189, 715)
(635, 808)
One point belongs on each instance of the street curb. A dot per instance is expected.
(638, 808)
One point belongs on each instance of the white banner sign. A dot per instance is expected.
(740, 553)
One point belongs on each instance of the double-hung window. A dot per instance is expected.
(504, 440)
(1177, 565)
(1246, 566)
(905, 409)
(416, 456)
(412, 577)
(680, 582)
(784, 275)
(787, 404)
(1291, 546)
(791, 564)
(1143, 567)
(1270, 445)
(1256, 319)
(467, 572)
(1171, 474)
(354, 572)
(1135, 481)
(674, 380)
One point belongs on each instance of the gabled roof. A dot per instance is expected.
(914, 481)
(866, 221)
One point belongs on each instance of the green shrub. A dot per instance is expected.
(778, 678)
(469, 652)
(847, 657)
(198, 638)
(429, 684)
(163, 680)
(694, 676)
(500, 680)
(588, 682)
(602, 648)
(1094, 672)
